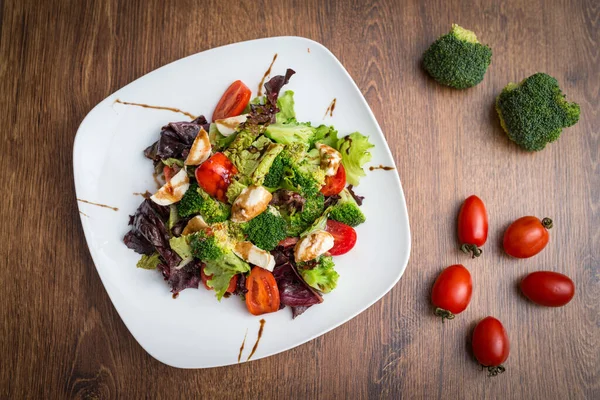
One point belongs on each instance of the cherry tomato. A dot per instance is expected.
(451, 293)
(472, 226)
(548, 288)
(168, 172)
(336, 183)
(490, 345)
(527, 236)
(205, 278)
(263, 294)
(233, 101)
(344, 237)
(214, 175)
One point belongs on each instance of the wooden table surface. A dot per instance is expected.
(59, 333)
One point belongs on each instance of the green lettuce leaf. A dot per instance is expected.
(355, 153)
(322, 277)
(181, 246)
(149, 262)
(285, 103)
(223, 270)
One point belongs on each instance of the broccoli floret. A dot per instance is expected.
(214, 248)
(275, 173)
(346, 210)
(534, 112)
(197, 201)
(265, 163)
(298, 222)
(266, 230)
(319, 273)
(457, 59)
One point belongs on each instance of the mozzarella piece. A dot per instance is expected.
(172, 191)
(252, 201)
(313, 245)
(200, 150)
(330, 158)
(195, 224)
(228, 126)
(254, 255)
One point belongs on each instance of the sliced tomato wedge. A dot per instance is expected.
(168, 172)
(214, 175)
(336, 183)
(233, 101)
(205, 278)
(344, 237)
(263, 294)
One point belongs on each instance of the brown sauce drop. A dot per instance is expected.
(177, 110)
(145, 195)
(308, 48)
(260, 332)
(242, 346)
(267, 73)
(381, 167)
(175, 295)
(98, 204)
(330, 108)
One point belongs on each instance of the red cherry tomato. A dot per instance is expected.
(214, 175)
(233, 101)
(205, 278)
(548, 288)
(472, 226)
(168, 172)
(490, 345)
(263, 295)
(336, 183)
(451, 293)
(344, 237)
(527, 236)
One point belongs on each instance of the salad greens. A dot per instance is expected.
(255, 202)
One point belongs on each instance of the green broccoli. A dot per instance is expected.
(275, 173)
(296, 169)
(319, 273)
(266, 230)
(265, 163)
(457, 59)
(298, 222)
(197, 201)
(346, 210)
(215, 249)
(534, 112)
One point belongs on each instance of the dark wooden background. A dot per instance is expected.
(61, 337)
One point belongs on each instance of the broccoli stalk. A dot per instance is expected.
(534, 112)
(346, 210)
(197, 201)
(457, 59)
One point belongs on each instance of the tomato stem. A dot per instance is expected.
(471, 249)
(445, 314)
(493, 371)
(547, 223)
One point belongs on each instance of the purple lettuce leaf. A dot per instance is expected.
(176, 139)
(265, 113)
(149, 232)
(183, 278)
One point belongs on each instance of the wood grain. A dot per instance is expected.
(61, 337)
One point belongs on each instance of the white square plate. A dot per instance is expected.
(195, 330)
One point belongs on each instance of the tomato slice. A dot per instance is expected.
(344, 237)
(205, 278)
(233, 101)
(336, 183)
(263, 294)
(214, 175)
(168, 172)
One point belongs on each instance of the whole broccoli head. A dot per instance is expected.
(319, 273)
(457, 59)
(534, 112)
(346, 210)
(197, 201)
(266, 230)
